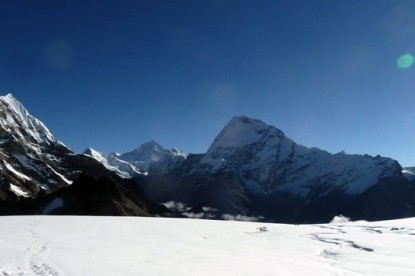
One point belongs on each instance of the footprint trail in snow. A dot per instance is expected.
(35, 257)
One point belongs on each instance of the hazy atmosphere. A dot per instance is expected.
(336, 75)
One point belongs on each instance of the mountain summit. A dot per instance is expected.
(16, 120)
(30, 155)
(153, 154)
(149, 157)
(267, 161)
(242, 130)
(251, 169)
(40, 175)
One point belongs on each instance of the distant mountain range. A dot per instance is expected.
(40, 175)
(251, 171)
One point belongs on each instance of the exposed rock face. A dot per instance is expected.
(30, 156)
(104, 196)
(253, 169)
(267, 161)
(35, 167)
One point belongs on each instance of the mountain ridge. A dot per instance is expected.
(38, 171)
(251, 169)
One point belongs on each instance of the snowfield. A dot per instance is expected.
(64, 245)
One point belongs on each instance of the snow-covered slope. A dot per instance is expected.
(251, 168)
(268, 161)
(34, 164)
(30, 155)
(48, 245)
(152, 156)
(111, 162)
(16, 120)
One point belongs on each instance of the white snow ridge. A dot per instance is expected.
(18, 191)
(112, 163)
(14, 172)
(18, 116)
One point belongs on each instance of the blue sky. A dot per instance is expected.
(114, 74)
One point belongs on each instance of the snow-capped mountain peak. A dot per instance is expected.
(152, 153)
(113, 163)
(149, 150)
(245, 141)
(242, 130)
(17, 120)
(96, 155)
(149, 156)
(31, 156)
(268, 161)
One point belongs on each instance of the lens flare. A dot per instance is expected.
(405, 61)
(59, 54)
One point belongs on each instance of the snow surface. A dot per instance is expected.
(18, 191)
(113, 163)
(69, 182)
(47, 245)
(16, 173)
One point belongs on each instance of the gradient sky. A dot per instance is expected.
(114, 74)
